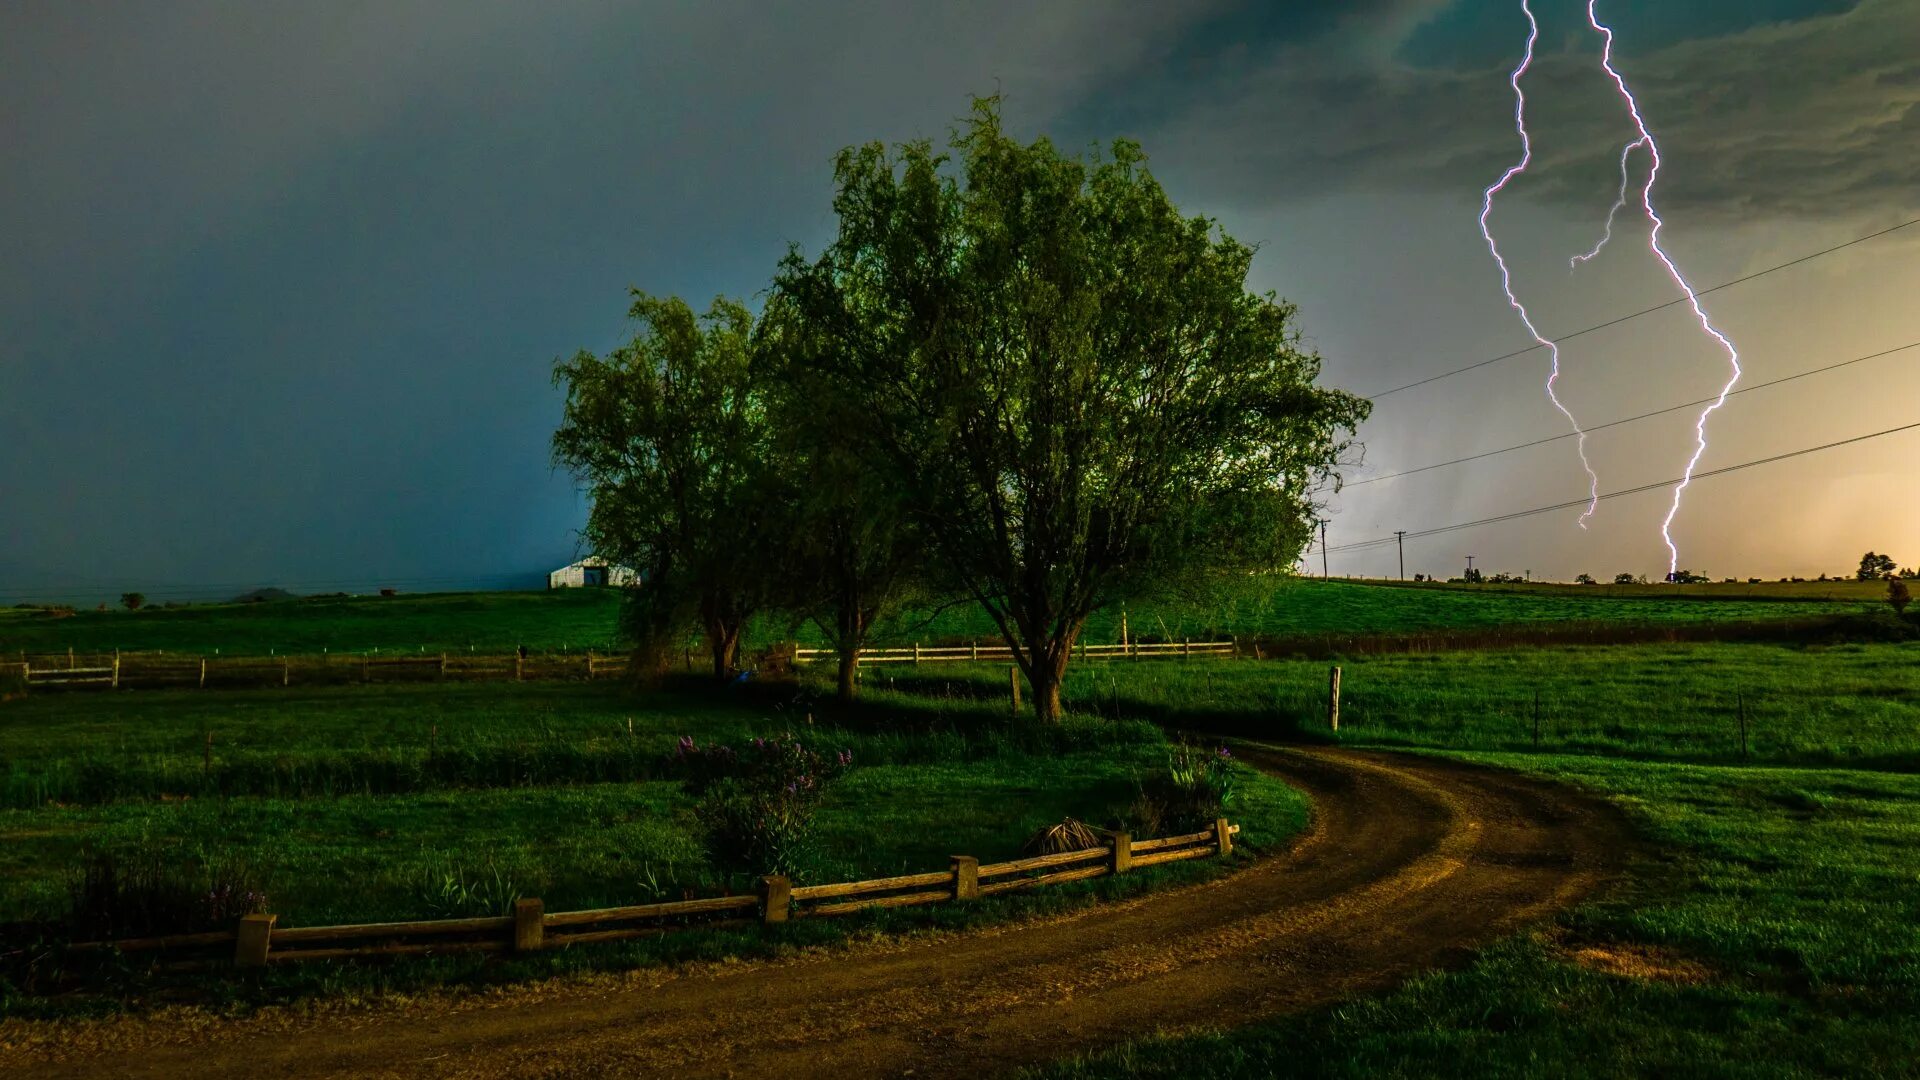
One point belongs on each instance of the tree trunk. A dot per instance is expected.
(723, 639)
(849, 673)
(1044, 676)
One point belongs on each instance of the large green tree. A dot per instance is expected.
(1064, 377)
(669, 434)
(849, 554)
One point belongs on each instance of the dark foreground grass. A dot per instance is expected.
(1775, 936)
(578, 619)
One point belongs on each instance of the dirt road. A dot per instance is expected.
(1409, 862)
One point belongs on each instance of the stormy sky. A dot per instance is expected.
(281, 285)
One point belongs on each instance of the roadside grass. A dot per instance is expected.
(578, 619)
(1775, 934)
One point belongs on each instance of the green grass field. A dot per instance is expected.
(578, 619)
(362, 803)
(1773, 930)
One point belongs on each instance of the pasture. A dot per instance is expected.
(1773, 903)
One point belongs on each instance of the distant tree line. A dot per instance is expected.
(1015, 378)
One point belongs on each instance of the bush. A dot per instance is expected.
(758, 802)
(1197, 787)
(1898, 595)
(149, 894)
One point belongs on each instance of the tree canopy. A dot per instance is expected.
(1015, 376)
(1066, 378)
(669, 434)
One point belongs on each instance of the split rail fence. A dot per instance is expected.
(115, 670)
(161, 670)
(258, 940)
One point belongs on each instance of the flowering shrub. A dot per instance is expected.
(1197, 787)
(758, 801)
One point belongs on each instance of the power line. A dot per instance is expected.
(1632, 419)
(1647, 311)
(1657, 485)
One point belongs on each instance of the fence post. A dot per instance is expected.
(1223, 837)
(26, 670)
(966, 877)
(916, 652)
(116, 669)
(1186, 648)
(286, 672)
(203, 673)
(1013, 686)
(589, 665)
(252, 940)
(1122, 852)
(443, 665)
(69, 658)
(776, 895)
(1333, 700)
(517, 676)
(529, 925)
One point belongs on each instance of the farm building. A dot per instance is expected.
(590, 572)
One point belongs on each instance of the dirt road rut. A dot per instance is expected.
(1409, 862)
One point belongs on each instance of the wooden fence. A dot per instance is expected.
(976, 652)
(163, 670)
(258, 939)
(147, 670)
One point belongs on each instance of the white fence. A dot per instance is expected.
(932, 654)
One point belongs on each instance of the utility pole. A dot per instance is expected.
(1400, 537)
(1470, 559)
(1323, 550)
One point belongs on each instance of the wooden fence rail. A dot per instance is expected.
(930, 654)
(258, 940)
(118, 670)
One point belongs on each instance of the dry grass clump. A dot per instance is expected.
(1069, 835)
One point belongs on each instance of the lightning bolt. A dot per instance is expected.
(1506, 276)
(1646, 140)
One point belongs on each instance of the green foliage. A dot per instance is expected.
(453, 892)
(1898, 596)
(758, 803)
(669, 434)
(1198, 786)
(1067, 379)
(132, 601)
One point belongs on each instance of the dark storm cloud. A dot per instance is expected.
(1808, 117)
(280, 283)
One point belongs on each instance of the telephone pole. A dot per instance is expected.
(1470, 559)
(1323, 550)
(1400, 538)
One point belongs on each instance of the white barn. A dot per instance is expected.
(589, 572)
